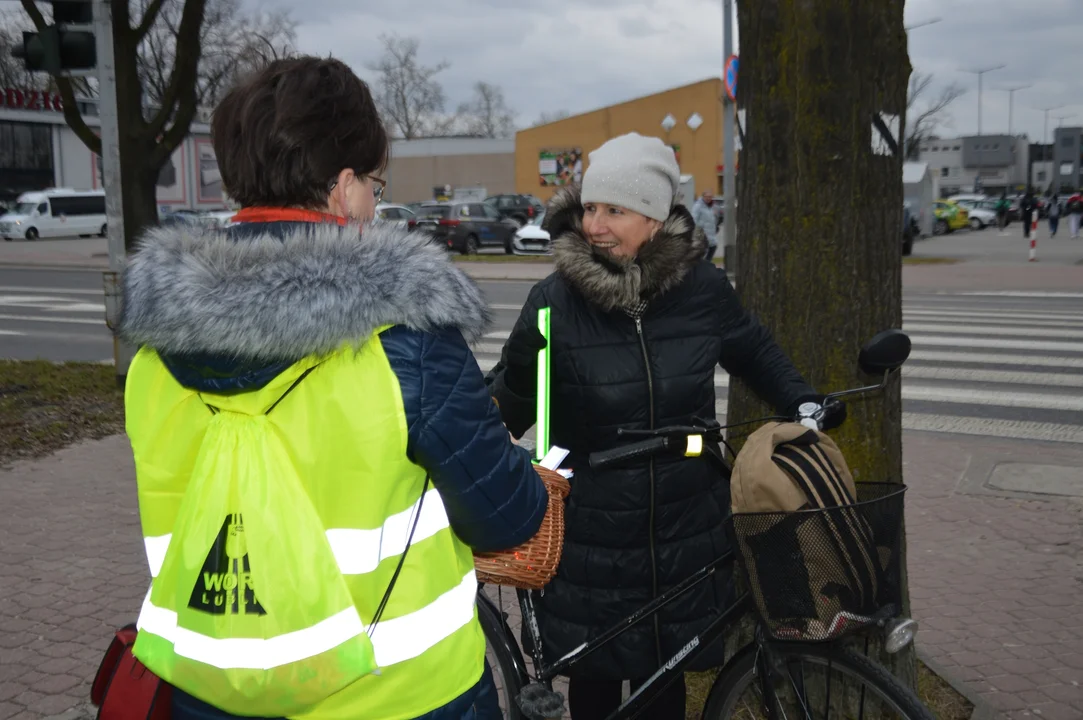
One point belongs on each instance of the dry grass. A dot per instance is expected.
(46, 406)
(930, 261)
(940, 697)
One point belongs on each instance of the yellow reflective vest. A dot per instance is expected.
(343, 431)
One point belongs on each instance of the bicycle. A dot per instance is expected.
(771, 667)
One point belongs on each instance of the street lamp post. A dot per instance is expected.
(1011, 102)
(1045, 128)
(923, 23)
(980, 72)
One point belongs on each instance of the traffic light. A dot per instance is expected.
(67, 46)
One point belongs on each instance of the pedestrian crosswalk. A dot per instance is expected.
(983, 364)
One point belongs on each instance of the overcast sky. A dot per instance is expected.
(578, 55)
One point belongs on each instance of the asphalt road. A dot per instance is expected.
(1000, 364)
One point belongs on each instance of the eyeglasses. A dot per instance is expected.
(378, 186)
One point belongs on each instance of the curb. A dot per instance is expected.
(45, 265)
(982, 709)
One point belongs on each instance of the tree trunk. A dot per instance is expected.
(819, 227)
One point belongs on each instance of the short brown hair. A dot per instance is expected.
(284, 135)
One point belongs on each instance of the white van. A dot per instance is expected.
(55, 213)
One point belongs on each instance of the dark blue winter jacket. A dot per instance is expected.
(229, 310)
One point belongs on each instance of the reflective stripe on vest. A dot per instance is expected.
(356, 551)
(394, 641)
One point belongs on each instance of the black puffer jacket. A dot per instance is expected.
(635, 531)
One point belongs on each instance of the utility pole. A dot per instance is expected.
(1011, 102)
(729, 161)
(980, 72)
(114, 207)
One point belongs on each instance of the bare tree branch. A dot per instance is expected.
(550, 117)
(180, 101)
(150, 14)
(410, 99)
(487, 114)
(922, 124)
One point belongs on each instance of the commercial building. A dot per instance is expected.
(978, 163)
(1067, 159)
(38, 150)
(427, 169)
(1041, 166)
(552, 155)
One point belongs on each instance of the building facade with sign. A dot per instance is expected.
(38, 150)
(1067, 170)
(687, 118)
(987, 163)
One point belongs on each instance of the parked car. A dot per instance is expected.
(949, 217)
(981, 213)
(56, 213)
(531, 239)
(465, 227)
(393, 214)
(520, 208)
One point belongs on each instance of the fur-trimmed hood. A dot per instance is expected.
(660, 265)
(281, 296)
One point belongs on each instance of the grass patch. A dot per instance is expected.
(503, 258)
(940, 697)
(930, 261)
(46, 406)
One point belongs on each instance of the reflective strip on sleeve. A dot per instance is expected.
(394, 641)
(361, 551)
(356, 551)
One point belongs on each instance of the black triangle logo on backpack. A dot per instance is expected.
(225, 583)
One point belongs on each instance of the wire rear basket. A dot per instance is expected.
(818, 574)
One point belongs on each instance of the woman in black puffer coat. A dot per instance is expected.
(639, 323)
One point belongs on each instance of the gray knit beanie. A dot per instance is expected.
(634, 172)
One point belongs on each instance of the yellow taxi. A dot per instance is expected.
(949, 217)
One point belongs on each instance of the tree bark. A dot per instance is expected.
(819, 226)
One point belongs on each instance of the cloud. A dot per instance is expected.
(578, 55)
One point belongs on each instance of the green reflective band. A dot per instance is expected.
(543, 385)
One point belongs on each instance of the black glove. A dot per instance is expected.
(521, 360)
(834, 414)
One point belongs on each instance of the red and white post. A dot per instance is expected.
(1034, 240)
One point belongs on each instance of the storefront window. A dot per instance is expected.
(25, 146)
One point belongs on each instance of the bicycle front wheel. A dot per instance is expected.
(507, 680)
(812, 683)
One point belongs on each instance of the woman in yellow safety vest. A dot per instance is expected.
(294, 352)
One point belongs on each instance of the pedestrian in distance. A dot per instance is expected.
(304, 355)
(705, 219)
(639, 322)
(1054, 215)
(1075, 214)
(1003, 206)
(1027, 207)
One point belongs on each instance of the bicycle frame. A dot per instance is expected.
(666, 675)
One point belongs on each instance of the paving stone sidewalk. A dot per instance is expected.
(996, 577)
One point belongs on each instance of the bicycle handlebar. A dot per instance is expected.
(660, 440)
(632, 451)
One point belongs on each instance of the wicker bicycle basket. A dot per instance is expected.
(533, 564)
